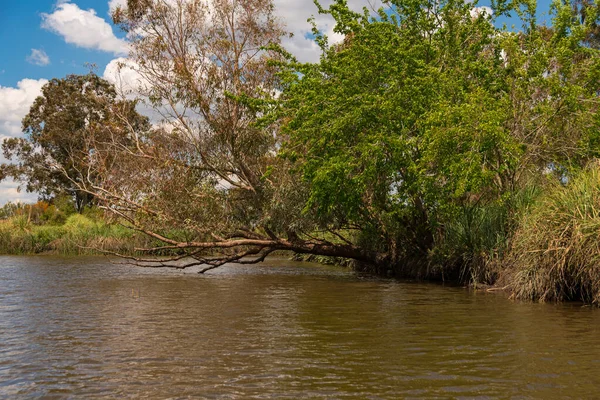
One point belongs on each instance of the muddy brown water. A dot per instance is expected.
(86, 328)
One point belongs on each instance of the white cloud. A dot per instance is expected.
(14, 105)
(122, 73)
(295, 14)
(83, 29)
(38, 57)
(9, 192)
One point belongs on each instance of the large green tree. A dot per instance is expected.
(74, 117)
(429, 111)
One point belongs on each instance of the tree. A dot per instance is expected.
(422, 112)
(208, 184)
(428, 113)
(588, 11)
(73, 117)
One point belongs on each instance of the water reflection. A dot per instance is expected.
(82, 327)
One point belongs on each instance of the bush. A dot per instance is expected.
(44, 235)
(79, 234)
(78, 222)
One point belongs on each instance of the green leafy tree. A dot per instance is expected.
(429, 111)
(73, 118)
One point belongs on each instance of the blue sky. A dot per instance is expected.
(43, 39)
(21, 31)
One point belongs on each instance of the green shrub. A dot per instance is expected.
(80, 225)
(46, 234)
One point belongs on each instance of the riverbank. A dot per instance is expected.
(76, 235)
(540, 245)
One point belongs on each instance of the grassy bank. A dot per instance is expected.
(42, 228)
(542, 243)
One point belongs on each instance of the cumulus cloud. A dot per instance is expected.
(83, 28)
(9, 191)
(38, 57)
(122, 73)
(14, 105)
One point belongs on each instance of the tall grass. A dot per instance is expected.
(555, 252)
(472, 243)
(79, 234)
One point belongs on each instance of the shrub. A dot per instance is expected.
(79, 225)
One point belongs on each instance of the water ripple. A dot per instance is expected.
(82, 327)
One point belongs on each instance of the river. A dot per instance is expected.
(83, 327)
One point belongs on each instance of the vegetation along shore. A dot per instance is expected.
(429, 141)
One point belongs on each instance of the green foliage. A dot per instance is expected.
(425, 123)
(77, 234)
(78, 223)
(474, 243)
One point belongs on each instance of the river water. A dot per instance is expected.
(87, 328)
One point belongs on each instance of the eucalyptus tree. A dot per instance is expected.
(73, 117)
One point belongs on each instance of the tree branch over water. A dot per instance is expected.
(407, 147)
